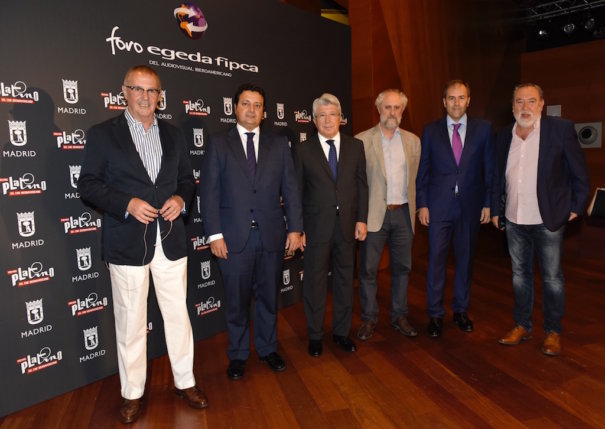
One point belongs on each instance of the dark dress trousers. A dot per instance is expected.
(330, 211)
(450, 212)
(230, 201)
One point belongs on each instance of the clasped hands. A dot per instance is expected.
(146, 213)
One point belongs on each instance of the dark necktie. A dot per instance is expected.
(332, 158)
(251, 155)
(457, 144)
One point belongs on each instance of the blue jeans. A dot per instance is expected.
(523, 241)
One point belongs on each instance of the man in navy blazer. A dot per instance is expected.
(541, 183)
(453, 199)
(137, 172)
(244, 173)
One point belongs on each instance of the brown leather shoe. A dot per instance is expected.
(194, 396)
(552, 344)
(515, 336)
(366, 330)
(130, 410)
(403, 326)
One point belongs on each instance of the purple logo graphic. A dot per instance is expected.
(191, 20)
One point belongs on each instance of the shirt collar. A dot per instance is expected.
(134, 123)
(242, 131)
(451, 122)
(323, 139)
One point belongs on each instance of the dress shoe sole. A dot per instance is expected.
(192, 404)
(549, 353)
(132, 418)
(406, 333)
(510, 343)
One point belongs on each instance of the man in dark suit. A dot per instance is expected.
(331, 169)
(244, 173)
(137, 172)
(541, 183)
(453, 197)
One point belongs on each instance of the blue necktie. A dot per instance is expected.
(332, 158)
(251, 155)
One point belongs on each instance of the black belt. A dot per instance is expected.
(254, 224)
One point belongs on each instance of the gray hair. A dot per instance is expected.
(404, 98)
(324, 100)
(529, 85)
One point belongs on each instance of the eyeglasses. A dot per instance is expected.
(152, 92)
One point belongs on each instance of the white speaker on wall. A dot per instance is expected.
(590, 134)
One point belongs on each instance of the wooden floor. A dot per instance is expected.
(458, 381)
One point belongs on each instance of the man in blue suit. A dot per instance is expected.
(541, 183)
(453, 198)
(244, 173)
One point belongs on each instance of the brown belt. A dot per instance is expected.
(393, 207)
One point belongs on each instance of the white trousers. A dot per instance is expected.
(130, 288)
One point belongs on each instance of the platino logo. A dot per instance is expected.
(26, 224)
(196, 108)
(18, 132)
(228, 106)
(35, 311)
(70, 141)
(90, 304)
(70, 91)
(17, 93)
(24, 185)
(83, 223)
(84, 259)
(191, 20)
(302, 117)
(41, 360)
(91, 338)
(35, 273)
(208, 306)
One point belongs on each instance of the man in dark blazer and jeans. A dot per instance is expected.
(136, 170)
(541, 183)
(331, 170)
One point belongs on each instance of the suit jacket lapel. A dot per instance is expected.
(471, 130)
(544, 139)
(235, 145)
(263, 153)
(319, 154)
(377, 147)
(124, 139)
(445, 138)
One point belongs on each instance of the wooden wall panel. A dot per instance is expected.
(431, 42)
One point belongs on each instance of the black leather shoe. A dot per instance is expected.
(275, 361)
(345, 343)
(435, 327)
(315, 348)
(236, 369)
(464, 323)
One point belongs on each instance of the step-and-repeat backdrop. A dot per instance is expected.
(62, 70)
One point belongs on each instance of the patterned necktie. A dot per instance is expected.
(251, 155)
(457, 144)
(332, 158)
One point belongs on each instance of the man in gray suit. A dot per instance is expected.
(392, 157)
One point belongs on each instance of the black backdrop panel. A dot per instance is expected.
(62, 68)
